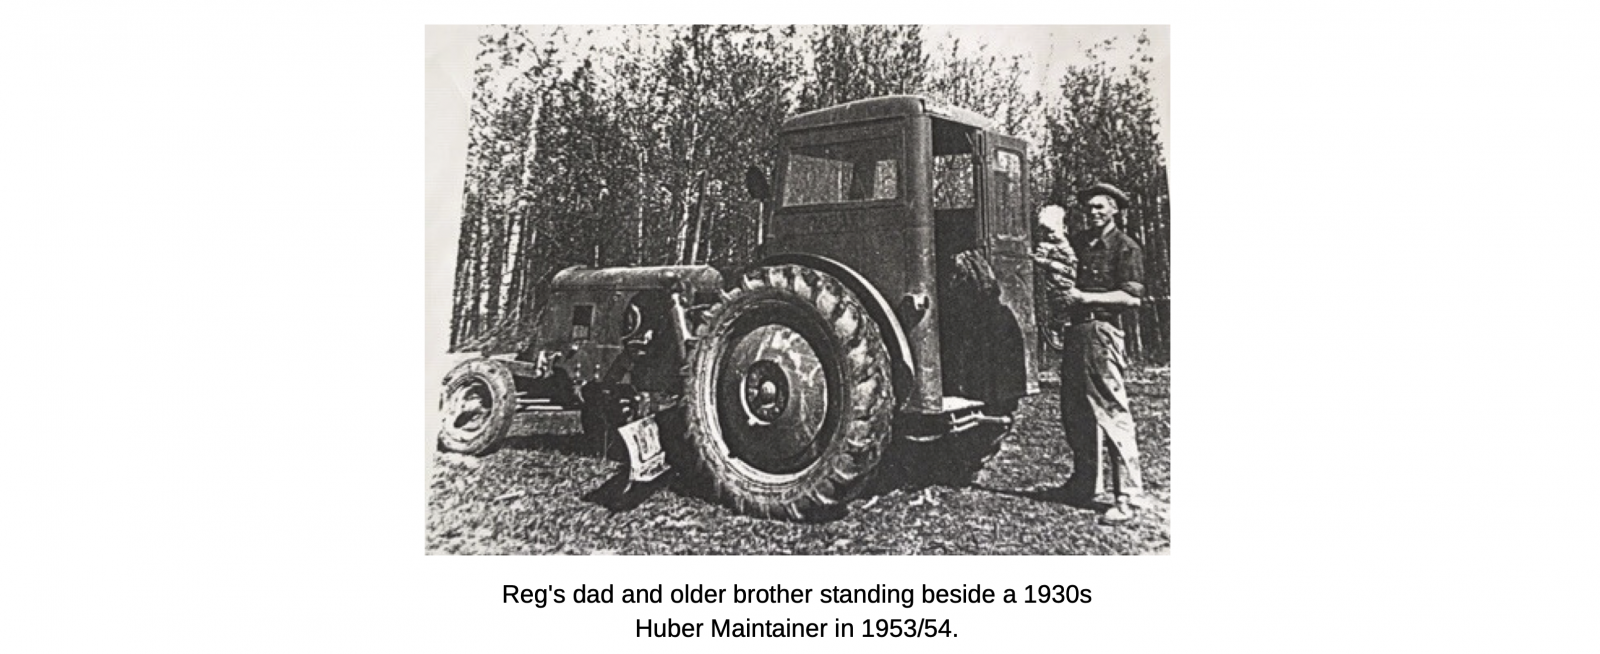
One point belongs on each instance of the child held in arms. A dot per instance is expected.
(1058, 268)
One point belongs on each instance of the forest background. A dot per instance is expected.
(627, 145)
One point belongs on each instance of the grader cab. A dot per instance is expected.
(892, 300)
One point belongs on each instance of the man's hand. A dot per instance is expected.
(1073, 297)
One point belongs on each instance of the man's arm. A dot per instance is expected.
(1117, 299)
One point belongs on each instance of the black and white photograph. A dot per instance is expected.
(808, 289)
(800, 326)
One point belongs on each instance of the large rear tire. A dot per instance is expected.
(478, 404)
(789, 397)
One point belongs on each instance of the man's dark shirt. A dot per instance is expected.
(1110, 263)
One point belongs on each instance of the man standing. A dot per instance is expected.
(1094, 401)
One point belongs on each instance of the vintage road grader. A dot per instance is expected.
(891, 305)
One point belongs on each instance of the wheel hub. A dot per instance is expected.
(766, 391)
(774, 399)
(469, 407)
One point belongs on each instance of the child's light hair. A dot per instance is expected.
(1053, 219)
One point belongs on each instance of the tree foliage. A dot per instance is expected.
(851, 62)
(1105, 130)
(500, 148)
(587, 152)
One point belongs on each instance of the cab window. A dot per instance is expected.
(953, 164)
(830, 173)
(1008, 189)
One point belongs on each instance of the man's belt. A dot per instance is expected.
(1091, 316)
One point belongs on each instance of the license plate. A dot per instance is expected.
(646, 459)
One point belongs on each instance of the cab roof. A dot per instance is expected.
(889, 106)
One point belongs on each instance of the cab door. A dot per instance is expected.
(1007, 241)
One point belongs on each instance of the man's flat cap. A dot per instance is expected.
(1104, 189)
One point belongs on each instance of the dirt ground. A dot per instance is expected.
(549, 490)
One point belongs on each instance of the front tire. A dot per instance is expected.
(789, 397)
(478, 404)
